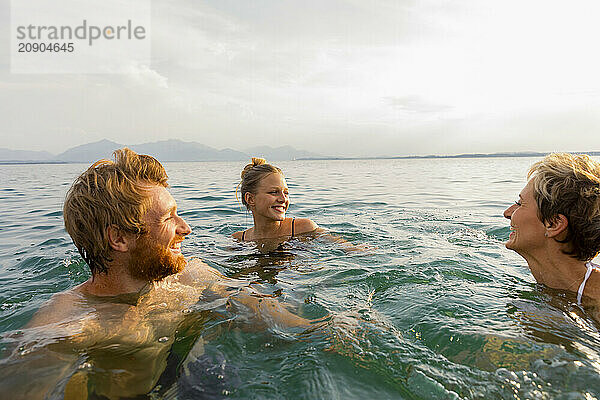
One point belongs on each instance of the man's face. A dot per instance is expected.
(157, 254)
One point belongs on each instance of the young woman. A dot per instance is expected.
(265, 193)
(555, 224)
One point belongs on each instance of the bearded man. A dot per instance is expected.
(124, 223)
(111, 336)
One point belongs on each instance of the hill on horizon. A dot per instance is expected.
(89, 152)
(177, 150)
(24, 155)
(172, 150)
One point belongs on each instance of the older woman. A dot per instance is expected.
(555, 224)
(265, 193)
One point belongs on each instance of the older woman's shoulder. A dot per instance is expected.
(592, 286)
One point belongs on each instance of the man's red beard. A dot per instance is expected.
(152, 262)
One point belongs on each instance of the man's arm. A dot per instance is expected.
(197, 273)
(32, 372)
(42, 358)
(40, 362)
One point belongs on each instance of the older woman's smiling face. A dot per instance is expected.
(527, 230)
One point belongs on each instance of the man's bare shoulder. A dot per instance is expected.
(61, 306)
(196, 271)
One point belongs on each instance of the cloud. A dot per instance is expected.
(415, 104)
(146, 76)
(348, 77)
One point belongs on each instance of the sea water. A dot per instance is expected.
(434, 307)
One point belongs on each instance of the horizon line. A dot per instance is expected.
(337, 158)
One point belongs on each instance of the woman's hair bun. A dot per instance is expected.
(256, 161)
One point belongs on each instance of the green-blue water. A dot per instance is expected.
(437, 308)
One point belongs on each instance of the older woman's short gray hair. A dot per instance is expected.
(569, 184)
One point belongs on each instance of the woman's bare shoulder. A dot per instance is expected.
(237, 235)
(304, 225)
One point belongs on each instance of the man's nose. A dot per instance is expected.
(508, 212)
(183, 228)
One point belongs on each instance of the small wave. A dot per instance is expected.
(54, 214)
(206, 198)
(43, 227)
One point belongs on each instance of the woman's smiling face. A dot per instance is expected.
(527, 230)
(271, 198)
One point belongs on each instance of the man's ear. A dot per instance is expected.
(118, 239)
(557, 227)
(249, 197)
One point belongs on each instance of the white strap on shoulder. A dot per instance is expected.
(590, 267)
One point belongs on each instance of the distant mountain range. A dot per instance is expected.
(166, 150)
(177, 150)
(14, 155)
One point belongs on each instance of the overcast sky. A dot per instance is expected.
(354, 78)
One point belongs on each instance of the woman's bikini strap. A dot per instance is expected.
(590, 267)
(243, 234)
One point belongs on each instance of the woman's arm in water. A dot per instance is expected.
(346, 245)
(268, 309)
(305, 226)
